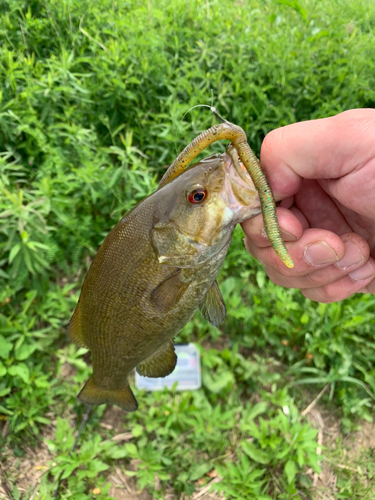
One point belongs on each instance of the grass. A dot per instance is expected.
(90, 114)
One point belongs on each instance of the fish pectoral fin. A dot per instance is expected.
(91, 394)
(213, 307)
(75, 330)
(169, 292)
(160, 364)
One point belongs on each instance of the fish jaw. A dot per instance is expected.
(238, 192)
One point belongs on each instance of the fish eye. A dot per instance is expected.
(197, 195)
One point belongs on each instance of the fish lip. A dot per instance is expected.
(242, 175)
(239, 192)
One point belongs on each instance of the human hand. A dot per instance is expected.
(324, 171)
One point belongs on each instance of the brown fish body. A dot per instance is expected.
(153, 270)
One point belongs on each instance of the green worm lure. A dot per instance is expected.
(237, 136)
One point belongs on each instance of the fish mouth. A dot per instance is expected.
(239, 192)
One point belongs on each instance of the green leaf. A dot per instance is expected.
(130, 473)
(97, 466)
(42, 420)
(131, 449)
(5, 410)
(257, 409)
(116, 452)
(199, 471)
(290, 470)
(305, 318)
(255, 453)
(137, 431)
(69, 469)
(5, 391)
(15, 493)
(3, 370)
(14, 252)
(42, 382)
(25, 351)
(20, 370)
(294, 4)
(218, 382)
(261, 278)
(5, 348)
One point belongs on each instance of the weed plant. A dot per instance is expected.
(91, 100)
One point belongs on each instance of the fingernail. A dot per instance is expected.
(363, 273)
(353, 256)
(320, 253)
(288, 236)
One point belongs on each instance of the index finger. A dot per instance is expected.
(328, 148)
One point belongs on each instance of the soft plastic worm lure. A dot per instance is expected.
(237, 136)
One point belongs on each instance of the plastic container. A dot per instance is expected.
(187, 373)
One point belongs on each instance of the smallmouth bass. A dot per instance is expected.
(155, 268)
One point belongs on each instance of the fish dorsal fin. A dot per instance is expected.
(75, 329)
(160, 364)
(92, 394)
(166, 295)
(213, 307)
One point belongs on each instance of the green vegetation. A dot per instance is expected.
(91, 100)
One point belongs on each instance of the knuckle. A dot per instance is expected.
(313, 280)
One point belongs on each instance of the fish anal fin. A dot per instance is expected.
(213, 307)
(166, 295)
(91, 394)
(160, 364)
(75, 329)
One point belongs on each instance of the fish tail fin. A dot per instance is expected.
(91, 394)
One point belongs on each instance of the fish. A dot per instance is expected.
(154, 269)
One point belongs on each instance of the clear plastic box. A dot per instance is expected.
(187, 373)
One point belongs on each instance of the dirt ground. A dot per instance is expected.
(325, 484)
(27, 471)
